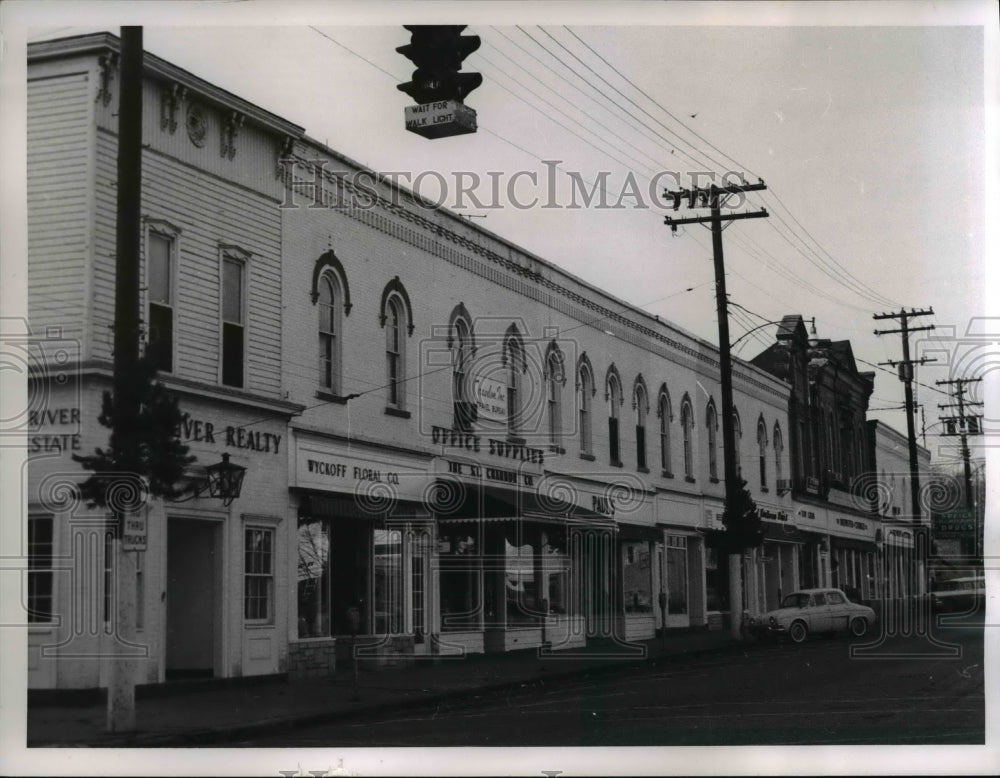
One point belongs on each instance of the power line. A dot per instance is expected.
(658, 105)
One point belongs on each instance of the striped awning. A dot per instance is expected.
(458, 502)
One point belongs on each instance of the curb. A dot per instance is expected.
(205, 736)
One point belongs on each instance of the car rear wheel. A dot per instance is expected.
(798, 632)
(859, 627)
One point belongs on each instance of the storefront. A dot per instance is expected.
(209, 591)
(682, 563)
(898, 571)
(779, 557)
(853, 556)
(520, 565)
(363, 549)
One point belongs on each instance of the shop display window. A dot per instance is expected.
(637, 576)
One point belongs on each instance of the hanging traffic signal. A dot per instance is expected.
(437, 86)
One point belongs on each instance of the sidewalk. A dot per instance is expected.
(215, 715)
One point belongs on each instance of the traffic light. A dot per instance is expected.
(437, 86)
(438, 51)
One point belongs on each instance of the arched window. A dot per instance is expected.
(762, 452)
(396, 316)
(779, 445)
(641, 405)
(555, 377)
(687, 425)
(514, 361)
(585, 384)
(330, 314)
(461, 344)
(663, 412)
(711, 423)
(613, 389)
(395, 352)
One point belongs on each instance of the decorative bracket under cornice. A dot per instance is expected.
(170, 99)
(285, 149)
(108, 63)
(230, 129)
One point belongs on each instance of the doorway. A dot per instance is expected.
(194, 595)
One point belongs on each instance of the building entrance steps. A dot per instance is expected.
(221, 712)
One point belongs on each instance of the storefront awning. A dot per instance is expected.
(785, 533)
(336, 506)
(459, 502)
(853, 544)
(639, 532)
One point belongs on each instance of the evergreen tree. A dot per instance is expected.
(159, 457)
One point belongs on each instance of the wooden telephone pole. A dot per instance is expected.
(714, 198)
(121, 681)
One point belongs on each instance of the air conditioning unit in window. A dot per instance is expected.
(784, 485)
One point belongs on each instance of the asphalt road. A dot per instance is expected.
(816, 693)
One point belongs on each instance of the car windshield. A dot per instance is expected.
(797, 600)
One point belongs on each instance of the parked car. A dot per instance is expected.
(816, 610)
(959, 595)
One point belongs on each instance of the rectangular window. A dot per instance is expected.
(233, 327)
(460, 586)
(160, 272)
(40, 530)
(258, 575)
(637, 575)
(314, 579)
(388, 585)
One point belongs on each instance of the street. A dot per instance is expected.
(775, 694)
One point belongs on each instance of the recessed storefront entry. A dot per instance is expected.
(194, 584)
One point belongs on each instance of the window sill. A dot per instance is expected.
(713, 480)
(557, 450)
(666, 474)
(258, 624)
(615, 463)
(689, 479)
(642, 469)
(399, 413)
(587, 457)
(764, 490)
(331, 397)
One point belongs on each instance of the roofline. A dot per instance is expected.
(893, 432)
(160, 69)
(625, 308)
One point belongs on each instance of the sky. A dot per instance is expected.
(871, 140)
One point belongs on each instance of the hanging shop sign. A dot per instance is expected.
(490, 396)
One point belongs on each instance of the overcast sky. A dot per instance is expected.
(870, 139)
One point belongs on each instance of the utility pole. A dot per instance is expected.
(121, 681)
(967, 425)
(714, 197)
(905, 366)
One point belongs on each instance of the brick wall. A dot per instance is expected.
(312, 658)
